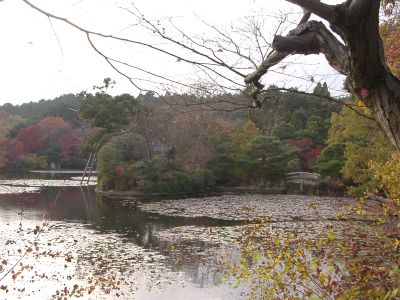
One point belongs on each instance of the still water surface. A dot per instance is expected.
(153, 251)
(103, 237)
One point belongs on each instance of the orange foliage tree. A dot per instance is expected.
(390, 32)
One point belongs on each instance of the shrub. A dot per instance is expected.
(105, 182)
(163, 187)
(388, 176)
(121, 185)
(149, 186)
(155, 168)
(114, 161)
(180, 182)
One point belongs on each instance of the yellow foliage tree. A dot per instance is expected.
(387, 175)
(245, 133)
(364, 141)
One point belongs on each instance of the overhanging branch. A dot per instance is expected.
(316, 7)
(358, 8)
(311, 37)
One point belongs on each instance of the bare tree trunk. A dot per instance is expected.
(360, 58)
(370, 77)
(384, 101)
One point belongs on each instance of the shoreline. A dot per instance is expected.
(218, 191)
(60, 171)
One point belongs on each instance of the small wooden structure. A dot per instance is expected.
(302, 179)
(89, 167)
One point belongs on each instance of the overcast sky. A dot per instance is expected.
(40, 59)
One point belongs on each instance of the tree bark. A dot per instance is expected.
(360, 57)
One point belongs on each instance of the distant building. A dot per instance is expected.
(162, 150)
(302, 182)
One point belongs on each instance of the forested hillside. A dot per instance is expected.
(178, 150)
(41, 134)
(64, 106)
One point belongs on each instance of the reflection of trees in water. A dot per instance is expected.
(108, 256)
(115, 239)
(195, 259)
(203, 275)
(120, 240)
(198, 258)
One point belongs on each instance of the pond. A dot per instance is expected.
(63, 238)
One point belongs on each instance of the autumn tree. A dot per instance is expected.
(358, 56)
(30, 137)
(356, 51)
(11, 152)
(244, 134)
(115, 157)
(49, 139)
(70, 144)
(390, 32)
(307, 152)
(363, 142)
(7, 123)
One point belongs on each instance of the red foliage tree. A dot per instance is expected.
(11, 151)
(307, 153)
(390, 32)
(51, 137)
(119, 170)
(69, 145)
(53, 128)
(30, 138)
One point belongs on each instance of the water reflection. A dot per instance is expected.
(113, 237)
(157, 250)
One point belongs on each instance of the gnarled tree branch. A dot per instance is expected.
(359, 56)
(361, 59)
(316, 7)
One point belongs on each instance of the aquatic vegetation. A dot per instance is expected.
(248, 207)
(228, 247)
(18, 186)
(80, 262)
(6, 189)
(42, 182)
